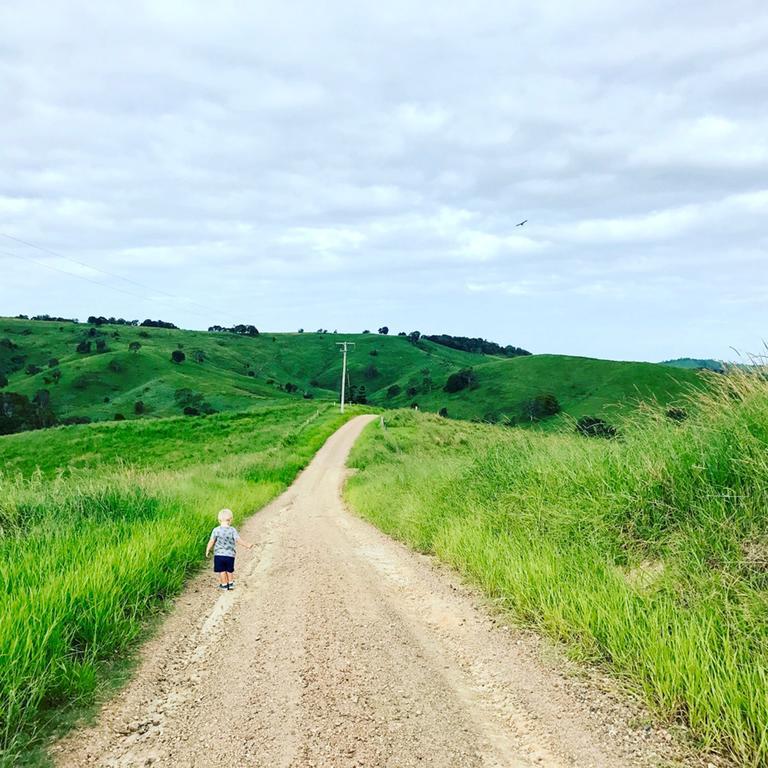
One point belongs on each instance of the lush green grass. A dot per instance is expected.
(648, 554)
(238, 373)
(113, 522)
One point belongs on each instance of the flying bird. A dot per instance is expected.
(521, 223)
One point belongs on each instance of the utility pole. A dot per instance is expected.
(345, 345)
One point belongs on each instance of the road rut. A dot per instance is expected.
(340, 647)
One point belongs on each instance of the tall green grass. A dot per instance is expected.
(648, 553)
(88, 555)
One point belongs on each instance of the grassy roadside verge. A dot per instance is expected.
(89, 554)
(648, 553)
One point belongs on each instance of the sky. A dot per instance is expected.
(350, 165)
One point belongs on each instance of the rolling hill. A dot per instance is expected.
(229, 372)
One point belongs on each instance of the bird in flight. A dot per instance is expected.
(521, 223)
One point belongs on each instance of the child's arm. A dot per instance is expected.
(245, 543)
(208, 548)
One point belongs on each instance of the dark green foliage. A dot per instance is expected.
(592, 426)
(443, 412)
(393, 390)
(119, 417)
(540, 407)
(134, 346)
(3, 380)
(114, 366)
(144, 334)
(198, 355)
(158, 324)
(370, 372)
(18, 413)
(101, 345)
(32, 369)
(177, 356)
(139, 407)
(411, 391)
(56, 376)
(366, 331)
(69, 420)
(477, 345)
(190, 410)
(290, 387)
(53, 362)
(383, 330)
(314, 383)
(374, 353)
(462, 379)
(309, 395)
(84, 347)
(242, 330)
(676, 414)
(414, 336)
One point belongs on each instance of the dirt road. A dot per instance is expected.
(339, 647)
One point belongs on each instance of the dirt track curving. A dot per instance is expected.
(339, 647)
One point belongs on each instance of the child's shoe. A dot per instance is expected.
(223, 586)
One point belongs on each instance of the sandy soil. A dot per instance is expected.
(340, 647)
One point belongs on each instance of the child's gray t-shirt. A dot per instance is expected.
(224, 537)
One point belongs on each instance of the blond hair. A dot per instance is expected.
(225, 515)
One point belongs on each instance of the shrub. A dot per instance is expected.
(114, 366)
(676, 414)
(462, 379)
(139, 407)
(411, 391)
(383, 330)
(394, 390)
(540, 407)
(289, 387)
(191, 411)
(443, 412)
(593, 426)
(32, 369)
(314, 383)
(53, 362)
(84, 347)
(69, 420)
(177, 356)
(134, 346)
(308, 395)
(101, 345)
(3, 380)
(119, 417)
(374, 353)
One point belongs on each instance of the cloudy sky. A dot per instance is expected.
(349, 165)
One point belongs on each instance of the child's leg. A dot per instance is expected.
(230, 577)
(224, 578)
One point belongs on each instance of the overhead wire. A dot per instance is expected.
(89, 280)
(110, 274)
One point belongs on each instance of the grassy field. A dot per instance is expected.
(647, 553)
(99, 524)
(235, 373)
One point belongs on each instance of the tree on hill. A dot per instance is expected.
(53, 362)
(394, 390)
(159, 324)
(383, 330)
(84, 347)
(414, 337)
(243, 330)
(56, 375)
(101, 345)
(592, 426)
(540, 407)
(139, 407)
(177, 356)
(19, 413)
(32, 369)
(3, 380)
(462, 379)
(477, 345)
(198, 355)
(134, 347)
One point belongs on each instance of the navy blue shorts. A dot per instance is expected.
(223, 564)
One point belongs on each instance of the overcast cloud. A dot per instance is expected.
(350, 165)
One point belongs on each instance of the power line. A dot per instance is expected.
(111, 274)
(88, 279)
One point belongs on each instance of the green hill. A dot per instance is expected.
(696, 363)
(228, 372)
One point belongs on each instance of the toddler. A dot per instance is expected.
(223, 540)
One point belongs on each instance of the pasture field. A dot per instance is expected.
(229, 372)
(101, 523)
(647, 554)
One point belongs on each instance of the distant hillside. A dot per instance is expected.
(100, 371)
(700, 364)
